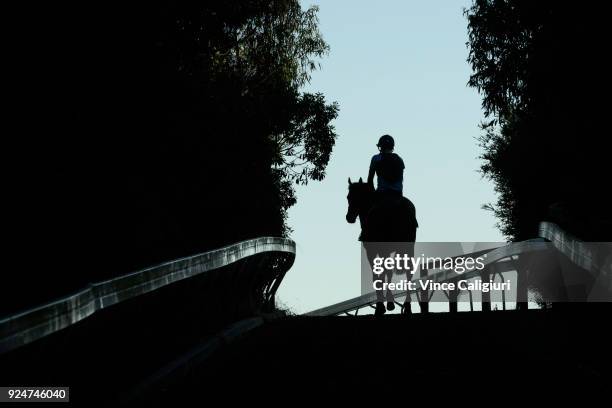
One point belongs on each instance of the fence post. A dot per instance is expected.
(486, 296)
(522, 276)
(452, 300)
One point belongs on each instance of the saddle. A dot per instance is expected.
(390, 204)
(392, 218)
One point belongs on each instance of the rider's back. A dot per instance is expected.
(389, 169)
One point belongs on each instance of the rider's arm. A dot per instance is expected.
(371, 174)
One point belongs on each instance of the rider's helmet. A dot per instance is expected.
(386, 142)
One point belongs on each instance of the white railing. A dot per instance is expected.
(25, 327)
(500, 260)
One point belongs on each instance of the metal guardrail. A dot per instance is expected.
(500, 257)
(499, 260)
(22, 328)
(580, 253)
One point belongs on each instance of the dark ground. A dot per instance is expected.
(541, 353)
(502, 355)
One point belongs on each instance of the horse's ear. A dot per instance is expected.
(350, 181)
(360, 180)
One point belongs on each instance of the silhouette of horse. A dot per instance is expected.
(383, 218)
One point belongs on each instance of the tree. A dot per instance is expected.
(265, 51)
(168, 129)
(537, 67)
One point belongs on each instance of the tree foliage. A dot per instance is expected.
(265, 51)
(538, 69)
(167, 129)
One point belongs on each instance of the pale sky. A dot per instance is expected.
(396, 67)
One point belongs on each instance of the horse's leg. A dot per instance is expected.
(406, 308)
(389, 295)
(371, 252)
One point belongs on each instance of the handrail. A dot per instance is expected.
(577, 251)
(27, 326)
(496, 255)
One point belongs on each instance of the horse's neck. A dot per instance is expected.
(365, 209)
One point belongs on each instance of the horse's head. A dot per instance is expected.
(357, 196)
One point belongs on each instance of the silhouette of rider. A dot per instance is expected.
(389, 169)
